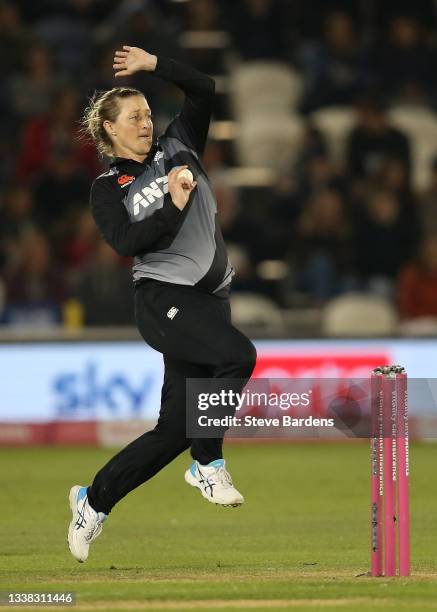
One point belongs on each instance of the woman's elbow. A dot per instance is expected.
(120, 246)
(124, 251)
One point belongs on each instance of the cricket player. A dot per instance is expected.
(149, 207)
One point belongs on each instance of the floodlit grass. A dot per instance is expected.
(300, 541)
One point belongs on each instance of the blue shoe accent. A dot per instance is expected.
(193, 468)
(83, 492)
(217, 463)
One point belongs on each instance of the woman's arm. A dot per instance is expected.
(129, 238)
(112, 219)
(192, 124)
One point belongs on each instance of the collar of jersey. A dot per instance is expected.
(150, 155)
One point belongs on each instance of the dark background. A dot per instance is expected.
(321, 225)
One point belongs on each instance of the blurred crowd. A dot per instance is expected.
(320, 229)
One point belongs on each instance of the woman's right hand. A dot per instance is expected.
(180, 187)
(129, 60)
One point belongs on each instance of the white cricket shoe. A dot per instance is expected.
(86, 524)
(214, 482)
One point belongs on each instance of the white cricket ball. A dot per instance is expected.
(187, 174)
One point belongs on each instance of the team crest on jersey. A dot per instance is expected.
(148, 195)
(125, 179)
(158, 155)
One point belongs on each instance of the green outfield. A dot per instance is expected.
(300, 541)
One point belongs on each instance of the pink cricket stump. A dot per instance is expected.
(376, 474)
(403, 476)
(389, 407)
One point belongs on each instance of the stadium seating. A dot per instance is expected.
(264, 88)
(335, 124)
(253, 310)
(422, 326)
(272, 143)
(420, 125)
(359, 314)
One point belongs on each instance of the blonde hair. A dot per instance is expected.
(103, 106)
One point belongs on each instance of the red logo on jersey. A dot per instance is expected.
(124, 179)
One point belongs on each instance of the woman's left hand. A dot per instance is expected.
(132, 59)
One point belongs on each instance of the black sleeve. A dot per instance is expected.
(192, 124)
(112, 219)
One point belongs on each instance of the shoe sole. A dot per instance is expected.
(189, 479)
(72, 498)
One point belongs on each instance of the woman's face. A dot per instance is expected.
(132, 131)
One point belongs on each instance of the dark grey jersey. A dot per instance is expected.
(134, 211)
(192, 254)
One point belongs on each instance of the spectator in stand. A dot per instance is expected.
(56, 131)
(48, 169)
(15, 221)
(246, 279)
(318, 174)
(336, 68)
(322, 247)
(30, 92)
(394, 178)
(407, 62)
(232, 219)
(290, 194)
(313, 145)
(384, 241)
(15, 39)
(417, 288)
(17, 212)
(428, 203)
(229, 207)
(66, 31)
(61, 187)
(311, 173)
(424, 12)
(142, 23)
(214, 159)
(80, 240)
(283, 212)
(100, 75)
(35, 287)
(308, 18)
(373, 140)
(105, 289)
(257, 30)
(205, 16)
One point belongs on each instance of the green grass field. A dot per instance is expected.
(298, 543)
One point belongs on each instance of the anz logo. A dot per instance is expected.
(148, 195)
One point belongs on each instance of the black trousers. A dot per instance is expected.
(199, 341)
